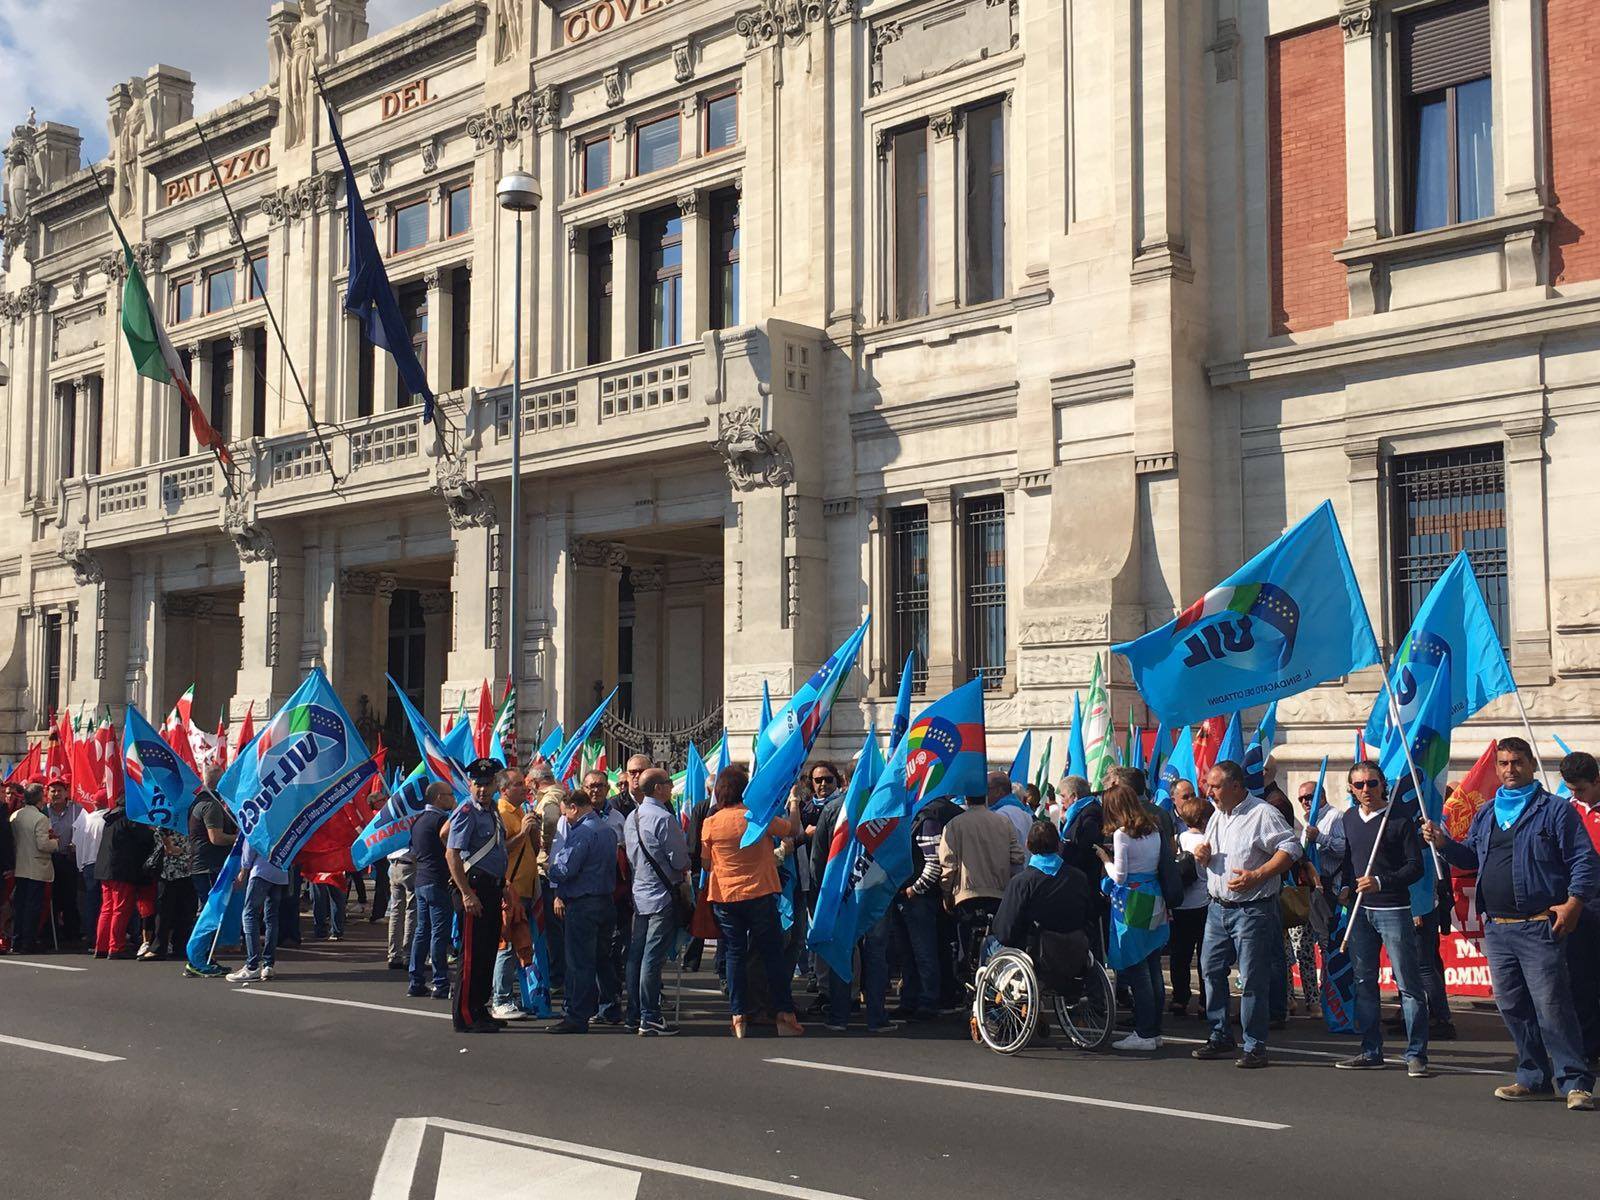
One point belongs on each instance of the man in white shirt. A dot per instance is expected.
(1248, 847)
(88, 827)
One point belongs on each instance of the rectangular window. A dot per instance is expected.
(258, 277)
(182, 302)
(597, 163)
(258, 392)
(460, 328)
(1448, 114)
(1443, 504)
(94, 425)
(722, 121)
(67, 414)
(221, 400)
(458, 210)
(219, 290)
(414, 310)
(984, 133)
(661, 279)
(725, 259)
(655, 145)
(410, 226)
(52, 664)
(910, 165)
(366, 370)
(985, 529)
(908, 583)
(599, 294)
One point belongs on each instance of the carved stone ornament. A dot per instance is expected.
(546, 107)
(682, 62)
(647, 579)
(500, 125)
(85, 564)
(843, 10)
(777, 18)
(688, 203)
(80, 282)
(943, 124)
(470, 504)
(430, 155)
(191, 243)
(375, 174)
(251, 539)
(754, 457)
(612, 80)
(353, 582)
(594, 552)
(1356, 21)
(507, 29)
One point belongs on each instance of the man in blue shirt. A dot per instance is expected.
(260, 880)
(583, 875)
(475, 852)
(430, 940)
(658, 854)
(1536, 867)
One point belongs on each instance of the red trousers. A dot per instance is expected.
(119, 902)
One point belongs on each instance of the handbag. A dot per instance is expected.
(1294, 904)
(152, 864)
(682, 898)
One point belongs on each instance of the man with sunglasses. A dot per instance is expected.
(1378, 852)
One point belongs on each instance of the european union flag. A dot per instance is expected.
(1452, 622)
(1290, 618)
(368, 294)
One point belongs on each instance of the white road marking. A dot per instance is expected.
(68, 1051)
(391, 1008)
(1031, 1094)
(28, 962)
(471, 1167)
(1440, 1068)
(395, 1173)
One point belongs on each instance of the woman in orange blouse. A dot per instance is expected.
(743, 892)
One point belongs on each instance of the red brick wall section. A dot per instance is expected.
(1305, 165)
(1572, 38)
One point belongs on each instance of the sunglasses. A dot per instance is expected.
(1364, 784)
(821, 779)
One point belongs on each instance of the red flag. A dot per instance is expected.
(30, 767)
(176, 728)
(1207, 741)
(97, 766)
(483, 727)
(247, 730)
(58, 754)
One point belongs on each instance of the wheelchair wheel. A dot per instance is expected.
(1006, 1007)
(1090, 1020)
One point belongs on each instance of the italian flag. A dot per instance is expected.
(1097, 734)
(153, 355)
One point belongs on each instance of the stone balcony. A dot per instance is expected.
(722, 394)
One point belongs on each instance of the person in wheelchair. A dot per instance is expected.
(1047, 910)
(979, 854)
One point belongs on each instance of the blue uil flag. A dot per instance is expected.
(297, 772)
(1290, 618)
(160, 786)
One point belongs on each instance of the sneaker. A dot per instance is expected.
(268, 972)
(507, 1012)
(416, 991)
(835, 1026)
(334, 937)
(440, 993)
(1516, 1091)
(1134, 1042)
(1214, 1049)
(1417, 1069)
(145, 950)
(396, 964)
(245, 975)
(566, 1026)
(1361, 1062)
(1579, 1100)
(657, 1028)
(887, 1027)
(1251, 1060)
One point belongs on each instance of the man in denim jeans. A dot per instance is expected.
(1375, 847)
(583, 873)
(1248, 847)
(260, 880)
(430, 942)
(658, 853)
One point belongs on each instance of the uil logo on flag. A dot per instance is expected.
(1228, 623)
(304, 747)
(933, 743)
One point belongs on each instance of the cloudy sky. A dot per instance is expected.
(64, 56)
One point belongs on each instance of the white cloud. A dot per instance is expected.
(63, 57)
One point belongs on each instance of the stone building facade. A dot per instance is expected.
(1013, 323)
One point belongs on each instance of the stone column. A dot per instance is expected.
(478, 649)
(597, 568)
(385, 381)
(200, 381)
(361, 647)
(1363, 108)
(99, 671)
(696, 266)
(1528, 569)
(242, 343)
(945, 201)
(1519, 80)
(440, 321)
(436, 622)
(271, 617)
(648, 636)
(944, 592)
(624, 287)
(82, 393)
(575, 328)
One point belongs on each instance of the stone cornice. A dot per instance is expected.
(375, 63)
(74, 195)
(245, 122)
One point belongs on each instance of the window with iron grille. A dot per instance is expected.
(985, 538)
(908, 585)
(1443, 504)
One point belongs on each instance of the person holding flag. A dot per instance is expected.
(1536, 869)
(261, 880)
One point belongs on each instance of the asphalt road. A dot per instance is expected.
(200, 1088)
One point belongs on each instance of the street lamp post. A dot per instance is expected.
(518, 193)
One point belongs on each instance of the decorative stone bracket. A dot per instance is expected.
(251, 538)
(755, 457)
(471, 505)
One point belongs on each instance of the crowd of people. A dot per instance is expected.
(538, 900)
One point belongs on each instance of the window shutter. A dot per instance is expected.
(1444, 45)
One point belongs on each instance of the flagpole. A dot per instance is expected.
(238, 232)
(223, 463)
(1533, 742)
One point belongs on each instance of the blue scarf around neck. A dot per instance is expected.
(1510, 803)
(1048, 863)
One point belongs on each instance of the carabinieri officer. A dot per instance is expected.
(475, 852)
